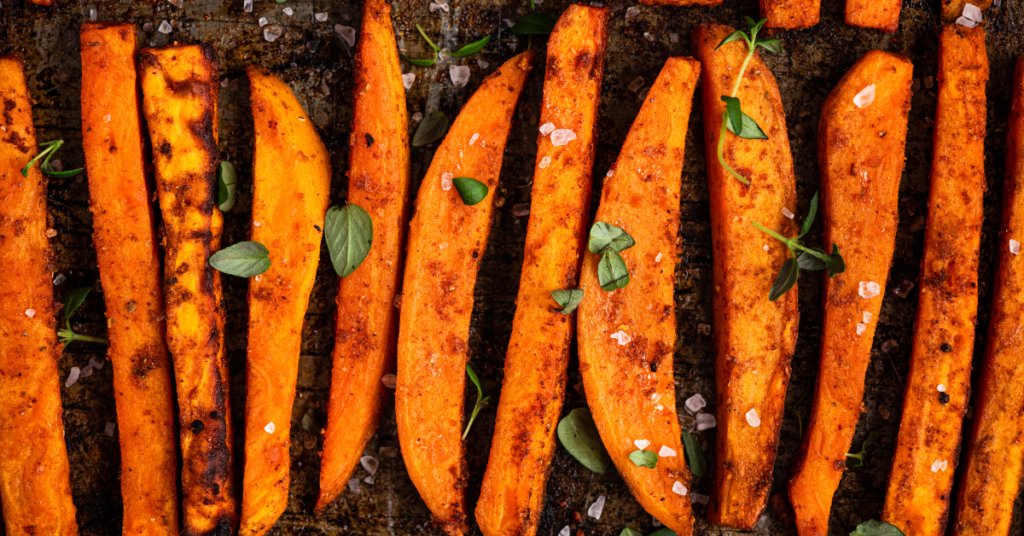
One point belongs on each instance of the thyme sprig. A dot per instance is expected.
(463, 52)
(46, 154)
(72, 300)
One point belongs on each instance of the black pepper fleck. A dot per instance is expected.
(369, 140)
(943, 398)
(197, 426)
(946, 347)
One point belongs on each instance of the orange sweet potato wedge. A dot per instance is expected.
(447, 239)
(34, 482)
(754, 337)
(512, 496)
(179, 100)
(939, 383)
(128, 254)
(366, 329)
(292, 186)
(990, 480)
(790, 14)
(860, 155)
(878, 14)
(627, 336)
(681, 2)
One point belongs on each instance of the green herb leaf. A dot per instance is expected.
(534, 24)
(835, 264)
(46, 154)
(470, 190)
(806, 261)
(578, 434)
(481, 401)
(426, 62)
(612, 272)
(754, 27)
(72, 300)
(567, 299)
(244, 259)
(771, 45)
(227, 186)
(663, 531)
(751, 130)
(644, 458)
(281, 1)
(735, 115)
(630, 532)
(863, 449)
(427, 39)
(809, 219)
(471, 48)
(607, 236)
(349, 234)
(61, 174)
(432, 128)
(785, 280)
(876, 528)
(735, 36)
(694, 455)
(794, 408)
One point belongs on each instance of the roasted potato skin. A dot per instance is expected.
(860, 157)
(917, 499)
(512, 495)
(292, 186)
(128, 254)
(366, 329)
(790, 14)
(990, 480)
(755, 338)
(447, 239)
(34, 481)
(179, 100)
(630, 387)
(877, 14)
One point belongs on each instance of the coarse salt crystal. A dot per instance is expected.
(610, 173)
(546, 128)
(939, 465)
(636, 84)
(30, 313)
(353, 485)
(673, 37)
(867, 317)
(473, 138)
(369, 463)
(562, 136)
(320, 17)
(544, 162)
(788, 213)
(368, 480)
(106, 118)
(446, 181)
(165, 27)
(642, 443)
(459, 74)
(666, 452)
(110, 428)
(705, 421)
(348, 34)
(247, 6)
(408, 79)
(92, 15)
(177, 3)
(941, 388)
(288, 11)
(966, 22)
(96, 362)
(655, 522)
(86, 371)
(766, 248)
(752, 418)
(269, 428)
(679, 488)
(631, 13)
(649, 36)
(73, 375)
(622, 337)
(262, 21)
(566, 531)
(595, 509)
(972, 12)
(1014, 247)
(387, 452)
(695, 403)
(256, 223)
(865, 97)
(483, 63)
(389, 380)
(697, 498)
(271, 33)
(657, 258)
(869, 289)
(861, 328)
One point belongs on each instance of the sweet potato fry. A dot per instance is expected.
(512, 496)
(939, 383)
(34, 482)
(754, 337)
(179, 97)
(627, 336)
(878, 14)
(292, 186)
(128, 254)
(366, 330)
(790, 14)
(860, 154)
(446, 242)
(991, 479)
(953, 9)
(681, 2)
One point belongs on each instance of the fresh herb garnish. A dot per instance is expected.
(471, 48)
(794, 408)
(72, 300)
(534, 24)
(644, 458)
(567, 299)
(227, 186)
(349, 234)
(244, 259)
(663, 531)
(463, 52)
(694, 455)
(734, 120)
(630, 532)
(872, 436)
(470, 190)
(46, 154)
(609, 240)
(612, 272)
(481, 400)
(578, 434)
(876, 528)
(807, 258)
(432, 128)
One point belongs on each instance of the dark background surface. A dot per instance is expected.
(317, 63)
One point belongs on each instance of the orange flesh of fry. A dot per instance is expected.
(878, 14)
(790, 14)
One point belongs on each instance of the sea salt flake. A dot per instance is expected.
(459, 74)
(1014, 247)
(861, 328)
(595, 509)
(546, 128)
(446, 181)
(622, 337)
(867, 317)
(666, 452)
(869, 289)
(389, 380)
(566, 531)
(673, 37)
(271, 33)
(695, 403)
(247, 6)
(649, 36)
(890, 345)
(544, 162)
(483, 63)
(788, 213)
(110, 428)
(965, 22)
(562, 137)
(766, 248)
(347, 33)
(941, 388)
(288, 11)
(96, 362)
(165, 27)
(865, 97)
(269, 428)
(263, 22)
(320, 17)
(972, 12)
(610, 173)
(30, 313)
(679, 488)
(635, 85)
(369, 463)
(631, 13)
(408, 79)
(368, 480)
(86, 371)
(92, 15)
(752, 418)
(353, 485)
(705, 421)
(73, 375)
(387, 452)
(106, 118)
(177, 3)
(697, 498)
(642, 443)
(657, 257)
(939, 465)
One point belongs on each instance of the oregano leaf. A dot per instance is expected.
(578, 434)
(244, 259)
(349, 234)
(567, 299)
(470, 190)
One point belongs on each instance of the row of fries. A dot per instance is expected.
(626, 336)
